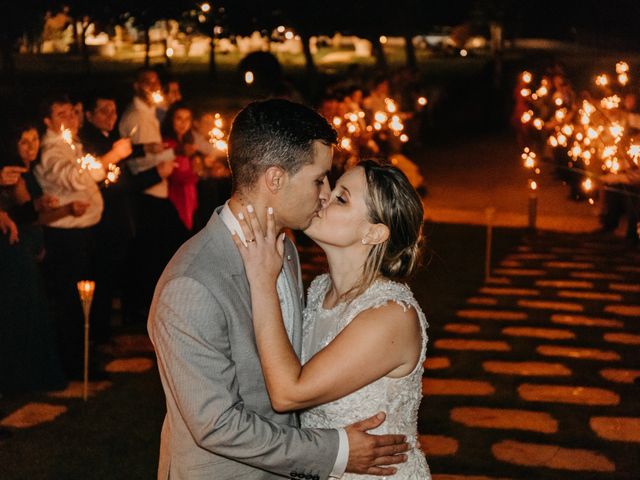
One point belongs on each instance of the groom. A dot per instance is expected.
(219, 422)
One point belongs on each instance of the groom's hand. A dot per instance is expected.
(370, 454)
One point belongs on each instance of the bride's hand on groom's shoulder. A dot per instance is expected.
(263, 250)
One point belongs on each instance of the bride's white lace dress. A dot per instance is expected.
(398, 397)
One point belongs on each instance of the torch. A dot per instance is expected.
(85, 290)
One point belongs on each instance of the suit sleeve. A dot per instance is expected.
(189, 331)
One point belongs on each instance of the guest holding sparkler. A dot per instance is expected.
(159, 231)
(27, 337)
(65, 172)
(177, 134)
(115, 231)
(214, 185)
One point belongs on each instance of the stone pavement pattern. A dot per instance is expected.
(537, 375)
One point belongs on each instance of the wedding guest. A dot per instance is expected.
(70, 240)
(214, 185)
(171, 94)
(27, 337)
(115, 231)
(177, 134)
(159, 231)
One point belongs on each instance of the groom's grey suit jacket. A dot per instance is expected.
(219, 422)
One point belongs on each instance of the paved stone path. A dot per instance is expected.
(537, 375)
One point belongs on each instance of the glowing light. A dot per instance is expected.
(169, 52)
(525, 92)
(622, 67)
(562, 140)
(602, 80)
(345, 143)
(558, 101)
(248, 77)
(391, 106)
(422, 101)
(351, 128)
(463, 53)
(616, 129)
(89, 162)
(561, 114)
(113, 174)
(380, 117)
(395, 124)
(281, 29)
(383, 39)
(205, 7)
(67, 136)
(567, 129)
(289, 35)
(592, 133)
(587, 185)
(533, 185)
(623, 79)
(634, 152)
(538, 123)
(404, 138)
(588, 107)
(221, 145)
(542, 91)
(553, 141)
(157, 97)
(337, 121)
(610, 102)
(353, 117)
(377, 126)
(609, 151)
(527, 77)
(526, 116)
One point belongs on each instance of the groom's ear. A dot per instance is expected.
(274, 179)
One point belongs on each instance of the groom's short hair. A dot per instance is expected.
(274, 133)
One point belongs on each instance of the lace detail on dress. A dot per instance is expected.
(398, 397)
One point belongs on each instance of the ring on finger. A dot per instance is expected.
(251, 240)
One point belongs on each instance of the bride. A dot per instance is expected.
(364, 334)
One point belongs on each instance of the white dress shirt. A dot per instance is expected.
(140, 123)
(59, 174)
(287, 296)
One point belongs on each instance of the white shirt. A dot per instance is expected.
(140, 123)
(60, 175)
(287, 296)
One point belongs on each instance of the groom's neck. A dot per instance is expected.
(240, 201)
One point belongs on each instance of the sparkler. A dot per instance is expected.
(593, 131)
(157, 97)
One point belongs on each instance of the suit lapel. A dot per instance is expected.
(290, 268)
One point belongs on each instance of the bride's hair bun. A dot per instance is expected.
(392, 201)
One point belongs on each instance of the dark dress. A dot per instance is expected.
(28, 355)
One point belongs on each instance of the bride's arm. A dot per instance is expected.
(377, 342)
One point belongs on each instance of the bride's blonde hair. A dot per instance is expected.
(392, 201)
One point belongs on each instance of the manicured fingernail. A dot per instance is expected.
(241, 216)
(250, 208)
(270, 211)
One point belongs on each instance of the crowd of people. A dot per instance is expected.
(86, 193)
(89, 193)
(587, 136)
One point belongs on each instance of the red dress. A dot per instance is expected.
(182, 184)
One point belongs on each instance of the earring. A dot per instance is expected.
(364, 242)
